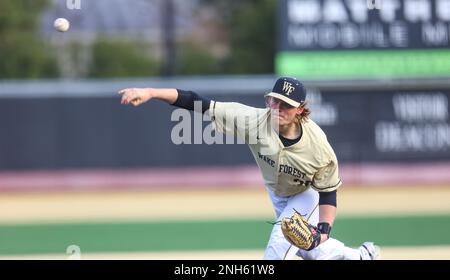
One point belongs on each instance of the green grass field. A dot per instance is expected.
(219, 224)
(210, 235)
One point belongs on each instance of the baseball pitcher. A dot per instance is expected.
(298, 165)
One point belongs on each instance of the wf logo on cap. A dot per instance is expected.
(288, 88)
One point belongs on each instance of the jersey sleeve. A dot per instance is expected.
(236, 119)
(327, 178)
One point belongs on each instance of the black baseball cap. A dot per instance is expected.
(290, 90)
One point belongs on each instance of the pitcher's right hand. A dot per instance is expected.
(135, 96)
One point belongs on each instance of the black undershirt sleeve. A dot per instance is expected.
(186, 100)
(328, 198)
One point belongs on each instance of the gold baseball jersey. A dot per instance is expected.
(311, 162)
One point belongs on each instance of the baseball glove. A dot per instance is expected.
(300, 233)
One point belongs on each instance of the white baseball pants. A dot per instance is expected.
(307, 203)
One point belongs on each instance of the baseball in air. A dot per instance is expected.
(61, 24)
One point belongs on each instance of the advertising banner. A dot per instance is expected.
(350, 39)
(385, 126)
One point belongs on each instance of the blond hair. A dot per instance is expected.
(304, 116)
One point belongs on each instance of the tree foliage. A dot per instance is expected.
(251, 40)
(22, 53)
(192, 60)
(121, 59)
(251, 27)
